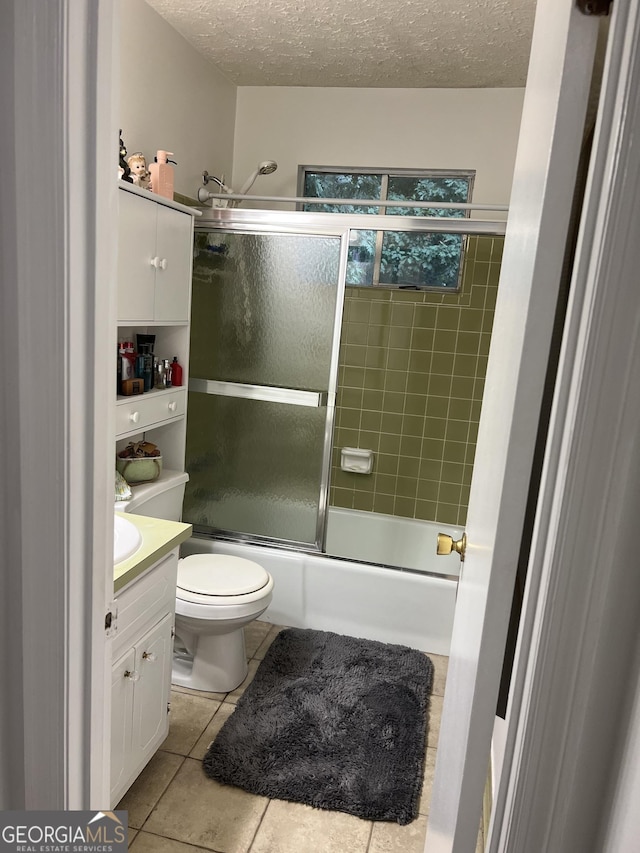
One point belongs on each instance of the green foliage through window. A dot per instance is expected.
(410, 259)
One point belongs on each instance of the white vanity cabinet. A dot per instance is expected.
(154, 260)
(141, 671)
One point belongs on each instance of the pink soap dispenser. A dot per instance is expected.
(162, 174)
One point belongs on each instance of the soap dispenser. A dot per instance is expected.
(162, 174)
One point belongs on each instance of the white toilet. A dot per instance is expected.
(216, 596)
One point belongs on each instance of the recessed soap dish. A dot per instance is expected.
(356, 460)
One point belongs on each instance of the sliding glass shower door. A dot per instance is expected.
(265, 328)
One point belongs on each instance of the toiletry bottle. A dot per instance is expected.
(162, 174)
(148, 366)
(167, 372)
(127, 361)
(160, 375)
(139, 371)
(176, 372)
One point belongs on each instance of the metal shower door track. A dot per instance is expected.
(330, 224)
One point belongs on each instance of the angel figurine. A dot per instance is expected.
(139, 172)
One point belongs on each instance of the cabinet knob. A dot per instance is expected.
(163, 264)
(172, 406)
(134, 417)
(132, 675)
(150, 656)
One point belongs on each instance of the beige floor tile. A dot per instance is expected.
(264, 646)
(296, 828)
(435, 712)
(440, 664)
(132, 835)
(148, 843)
(237, 693)
(199, 811)
(149, 787)
(190, 716)
(427, 784)
(392, 838)
(204, 742)
(254, 633)
(479, 842)
(204, 694)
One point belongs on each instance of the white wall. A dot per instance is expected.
(172, 98)
(415, 128)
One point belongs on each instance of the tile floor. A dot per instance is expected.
(174, 808)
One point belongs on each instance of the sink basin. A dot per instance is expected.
(126, 539)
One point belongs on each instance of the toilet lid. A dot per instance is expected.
(220, 574)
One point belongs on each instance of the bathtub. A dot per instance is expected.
(411, 607)
(388, 540)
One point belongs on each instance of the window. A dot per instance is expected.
(405, 259)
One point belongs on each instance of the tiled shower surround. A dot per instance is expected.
(411, 379)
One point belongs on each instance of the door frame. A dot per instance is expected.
(57, 334)
(566, 735)
(83, 495)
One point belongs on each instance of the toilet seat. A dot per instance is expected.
(221, 580)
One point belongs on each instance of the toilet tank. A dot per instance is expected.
(160, 499)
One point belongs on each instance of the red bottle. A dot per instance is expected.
(176, 372)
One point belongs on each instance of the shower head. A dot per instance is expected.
(265, 168)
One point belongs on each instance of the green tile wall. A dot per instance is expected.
(411, 378)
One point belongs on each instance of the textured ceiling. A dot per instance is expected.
(386, 43)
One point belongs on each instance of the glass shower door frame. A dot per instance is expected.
(226, 222)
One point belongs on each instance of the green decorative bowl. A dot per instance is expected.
(142, 469)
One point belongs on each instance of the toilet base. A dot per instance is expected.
(219, 664)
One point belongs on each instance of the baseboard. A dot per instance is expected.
(487, 803)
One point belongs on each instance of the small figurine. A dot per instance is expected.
(140, 174)
(124, 172)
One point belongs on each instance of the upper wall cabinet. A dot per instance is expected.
(154, 261)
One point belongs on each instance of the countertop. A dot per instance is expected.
(159, 537)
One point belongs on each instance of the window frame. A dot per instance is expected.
(386, 174)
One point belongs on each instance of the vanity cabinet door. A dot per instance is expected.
(136, 252)
(153, 662)
(154, 261)
(140, 693)
(122, 692)
(173, 278)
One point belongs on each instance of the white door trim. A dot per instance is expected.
(58, 336)
(575, 671)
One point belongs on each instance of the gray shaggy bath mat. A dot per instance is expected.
(334, 722)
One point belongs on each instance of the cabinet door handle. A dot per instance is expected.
(150, 656)
(155, 262)
(132, 675)
(172, 406)
(134, 417)
(163, 264)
